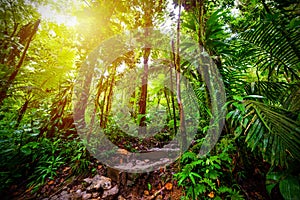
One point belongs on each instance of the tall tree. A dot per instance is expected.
(148, 17)
(176, 55)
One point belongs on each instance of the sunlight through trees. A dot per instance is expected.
(153, 71)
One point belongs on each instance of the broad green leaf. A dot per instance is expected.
(290, 188)
(26, 150)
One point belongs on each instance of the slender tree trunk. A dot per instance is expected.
(109, 97)
(173, 101)
(133, 106)
(144, 88)
(168, 103)
(12, 77)
(201, 24)
(22, 112)
(177, 66)
(99, 91)
(103, 103)
(81, 104)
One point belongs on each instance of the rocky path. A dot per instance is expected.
(110, 184)
(157, 185)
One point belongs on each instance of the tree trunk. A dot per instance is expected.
(22, 113)
(173, 101)
(144, 88)
(169, 113)
(109, 97)
(177, 66)
(12, 77)
(102, 111)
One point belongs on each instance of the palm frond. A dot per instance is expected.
(273, 48)
(292, 102)
(273, 91)
(215, 32)
(288, 95)
(268, 129)
(234, 79)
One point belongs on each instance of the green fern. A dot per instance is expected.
(188, 156)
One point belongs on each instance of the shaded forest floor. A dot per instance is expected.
(156, 185)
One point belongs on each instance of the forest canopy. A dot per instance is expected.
(203, 95)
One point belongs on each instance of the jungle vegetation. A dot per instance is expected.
(254, 45)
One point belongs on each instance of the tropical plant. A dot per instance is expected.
(209, 176)
(287, 181)
(266, 110)
(269, 129)
(273, 48)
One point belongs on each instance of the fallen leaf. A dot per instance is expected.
(51, 182)
(169, 186)
(211, 194)
(146, 192)
(66, 169)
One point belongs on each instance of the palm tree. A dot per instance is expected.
(270, 118)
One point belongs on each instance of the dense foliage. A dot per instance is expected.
(254, 44)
